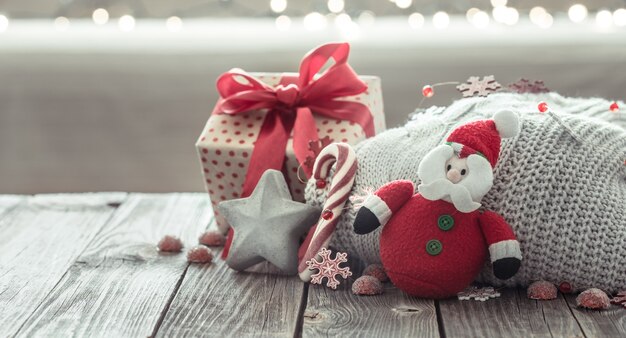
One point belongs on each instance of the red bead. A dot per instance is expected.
(614, 107)
(565, 287)
(543, 107)
(428, 91)
(327, 214)
(320, 184)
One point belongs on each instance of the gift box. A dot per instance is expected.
(282, 120)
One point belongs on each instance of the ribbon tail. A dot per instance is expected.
(304, 130)
(268, 152)
(229, 242)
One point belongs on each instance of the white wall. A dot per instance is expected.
(96, 109)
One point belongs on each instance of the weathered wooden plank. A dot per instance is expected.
(340, 313)
(343, 314)
(605, 323)
(39, 241)
(121, 284)
(9, 202)
(215, 301)
(511, 315)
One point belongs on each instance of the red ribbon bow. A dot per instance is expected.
(291, 106)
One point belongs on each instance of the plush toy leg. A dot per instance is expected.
(506, 258)
(504, 249)
(506, 268)
(365, 221)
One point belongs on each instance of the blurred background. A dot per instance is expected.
(112, 95)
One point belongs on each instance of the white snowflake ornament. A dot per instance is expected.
(329, 268)
(528, 86)
(474, 86)
(478, 293)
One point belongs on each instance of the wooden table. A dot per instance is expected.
(85, 265)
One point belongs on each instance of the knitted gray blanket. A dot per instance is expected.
(561, 184)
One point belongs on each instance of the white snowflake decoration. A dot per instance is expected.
(477, 293)
(527, 86)
(475, 86)
(329, 268)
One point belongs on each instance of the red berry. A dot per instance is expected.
(377, 271)
(614, 107)
(594, 299)
(367, 286)
(320, 184)
(543, 107)
(212, 238)
(170, 244)
(541, 290)
(565, 287)
(428, 91)
(199, 254)
(327, 214)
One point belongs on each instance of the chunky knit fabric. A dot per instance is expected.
(561, 184)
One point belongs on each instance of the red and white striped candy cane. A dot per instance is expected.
(341, 184)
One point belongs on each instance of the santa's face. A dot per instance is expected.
(461, 181)
(456, 169)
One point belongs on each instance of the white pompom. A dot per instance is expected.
(507, 123)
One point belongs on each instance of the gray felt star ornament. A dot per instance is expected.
(267, 225)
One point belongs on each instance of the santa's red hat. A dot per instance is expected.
(484, 137)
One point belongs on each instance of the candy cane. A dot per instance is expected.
(340, 187)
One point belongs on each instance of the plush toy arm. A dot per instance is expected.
(504, 250)
(378, 208)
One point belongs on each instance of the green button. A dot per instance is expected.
(434, 247)
(445, 222)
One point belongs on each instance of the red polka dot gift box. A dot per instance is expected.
(282, 120)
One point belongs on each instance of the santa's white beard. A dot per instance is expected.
(450, 192)
(466, 194)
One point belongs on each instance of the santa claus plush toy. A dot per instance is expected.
(435, 242)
